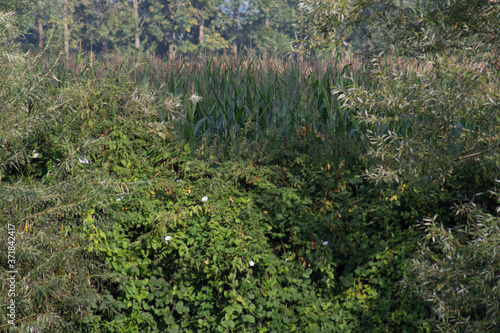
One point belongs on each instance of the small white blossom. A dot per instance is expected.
(35, 154)
(325, 243)
(84, 160)
(252, 263)
(119, 199)
(195, 98)
(167, 238)
(204, 199)
(103, 183)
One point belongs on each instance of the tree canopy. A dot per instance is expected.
(162, 27)
(406, 27)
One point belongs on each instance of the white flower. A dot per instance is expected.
(35, 154)
(119, 199)
(167, 238)
(252, 263)
(204, 199)
(195, 98)
(325, 243)
(103, 183)
(84, 160)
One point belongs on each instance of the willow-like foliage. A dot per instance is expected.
(430, 116)
(45, 192)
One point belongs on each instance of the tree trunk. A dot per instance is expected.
(66, 29)
(137, 32)
(40, 34)
(235, 29)
(202, 28)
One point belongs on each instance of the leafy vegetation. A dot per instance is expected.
(230, 194)
(161, 27)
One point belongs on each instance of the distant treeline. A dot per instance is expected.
(164, 27)
(167, 28)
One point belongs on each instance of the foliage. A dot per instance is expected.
(50, 260)
(8, 31)
(462, 278)
(164, 28)
(437, 124)
(49, 129)
(241, 195)
(408, 27)
(279, 243)
(405, 131)
(251, 257)
(223, 98)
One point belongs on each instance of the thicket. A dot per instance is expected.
(249, 195)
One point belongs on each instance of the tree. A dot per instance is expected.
(64, 18)
(106, 24)
(273, 28)
(209, 26)
(18, 6)
(433, 122)
(12, 14)
(409, 27)
(42, 17)
(168, 24)
(28, 116)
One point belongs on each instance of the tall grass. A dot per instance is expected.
(224, 98)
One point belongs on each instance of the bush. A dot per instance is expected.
(457, 269)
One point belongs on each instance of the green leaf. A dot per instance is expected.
(249, 319)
